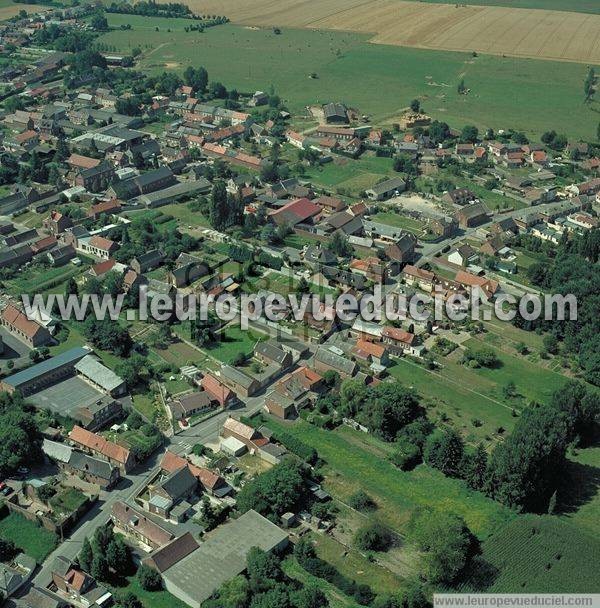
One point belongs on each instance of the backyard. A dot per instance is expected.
(28, 536)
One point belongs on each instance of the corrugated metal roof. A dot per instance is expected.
(27, 375)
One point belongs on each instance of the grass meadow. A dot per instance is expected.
(529, 95)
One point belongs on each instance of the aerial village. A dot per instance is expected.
(112, 182)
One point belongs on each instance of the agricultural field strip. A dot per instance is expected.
(521, 32)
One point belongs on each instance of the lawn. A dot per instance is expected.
(353, 463)
(336, 598)
(351, 177)
(458, 402)
(150, 599)
(399, 221)
(182, 212)
(37, 279)
(31, 538)
(68, 500)
(524, 94)
(234, 340)
(532, 381)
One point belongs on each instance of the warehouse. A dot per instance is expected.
(47, 372)
(100, 376)
(220, 557)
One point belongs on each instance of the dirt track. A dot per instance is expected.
(500, 31)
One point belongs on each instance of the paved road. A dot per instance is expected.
(95, 517)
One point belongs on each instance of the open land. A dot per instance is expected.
(520, 32)
(523, 94)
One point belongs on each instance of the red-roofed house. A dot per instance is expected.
(98, 445)
(398, 341)
(30, 332)
(218, 391)
(98, 246)
(487, 287)
(299, 211)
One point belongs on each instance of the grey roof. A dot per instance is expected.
(221, 556)
(272, 351)
(57, 451)
(388, 185)
(91, 368)
(71, 356)
(88, 464)
(377, 228)
(179, 482)
(324, 355)
(237, 376)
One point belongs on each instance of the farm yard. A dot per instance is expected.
(521, 32)
(525, 94)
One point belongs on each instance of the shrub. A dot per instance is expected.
(406, 457)
(149, 579)
(361, 501)
(373, 537)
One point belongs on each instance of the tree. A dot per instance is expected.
(263, 569)
(218, 206)
(340, 245)
(8, 550)
(589, 84)
(469, 134)
(99, 567)
(99, 22)
(234, 593)
(118, 556)
(550, 342)
(445, 542)
(303, 286)
(391, 407)
(525, 469)
(461, 87)
(150, 579)
(474, 467)
(373, 537)
(86, 555)
(197, 78)
(444, 450)
(274, 492)
(438, 132)
(415, 105)
(310, 597)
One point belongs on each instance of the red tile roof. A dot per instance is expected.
(19, 321)
(99, 444)
(399, 335)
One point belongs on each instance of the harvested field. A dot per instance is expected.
(9, 9)
(537, 33)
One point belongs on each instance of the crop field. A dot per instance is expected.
(524, 94)
(540, 555)
(521, 32)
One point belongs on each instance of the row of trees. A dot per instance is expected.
(573, 270)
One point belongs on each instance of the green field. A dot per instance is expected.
(355, 460)
(28, 536)
(535, 554)
(234, 340)
(351, 177)
(529, 95)
(149, 599)
(579, 498)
